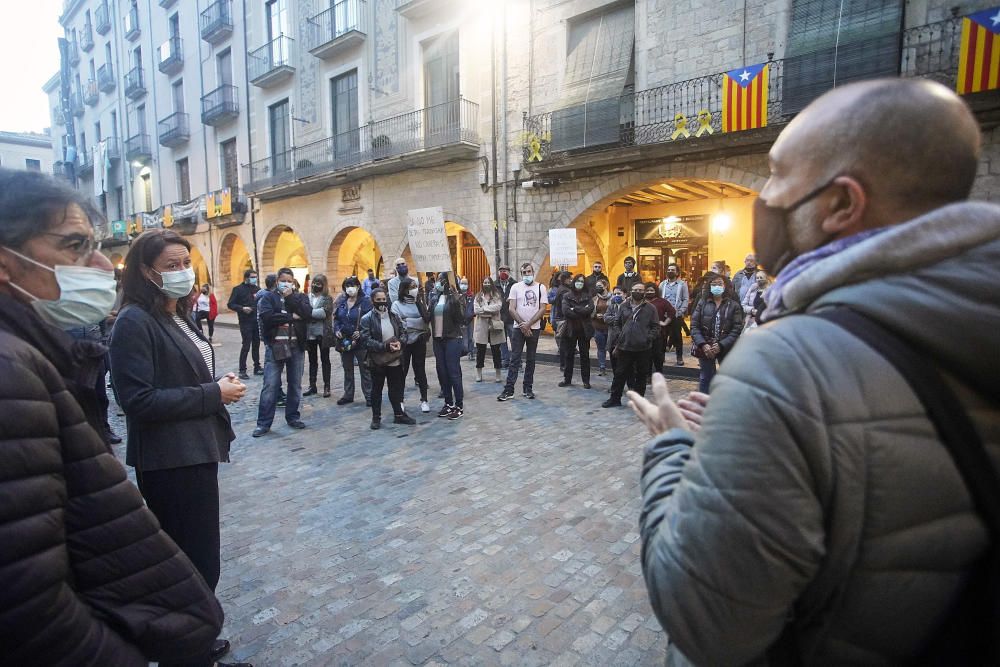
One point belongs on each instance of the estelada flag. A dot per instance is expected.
(979, 57)
(744, 98)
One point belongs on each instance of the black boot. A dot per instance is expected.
(312, 391)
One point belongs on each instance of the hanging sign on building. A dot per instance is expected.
(562, 247)
(427, 239)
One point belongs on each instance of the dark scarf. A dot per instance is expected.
(78, 362)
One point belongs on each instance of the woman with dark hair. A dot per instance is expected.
(716, 324)
(447, 319)
(350, 307)
(319, 333)
(175, 407)
(413, 313)
(90, 577)
(489, 327)
(382, 337)
(577, 310)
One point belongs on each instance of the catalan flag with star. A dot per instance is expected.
(979, 57)
(744, 98)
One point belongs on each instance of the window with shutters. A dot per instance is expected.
(599, 71)
(183, 181)
(344, 103)
(230, 164)
(835, 42)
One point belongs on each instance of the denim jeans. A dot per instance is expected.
(601, 338)
(348, 360)
(448, 354)
(517, 344)
(508, 329)
(469, 347)
(708, 369)
(272, 384)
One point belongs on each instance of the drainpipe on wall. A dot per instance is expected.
(204, 145)
(506, 140)
(246, 75)
(493, 131)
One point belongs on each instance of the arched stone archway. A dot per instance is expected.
(469, 257)
(234, 259)
(598, 198)
(352, 251)
(283, 247)
(202, 272)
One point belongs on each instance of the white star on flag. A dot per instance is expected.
(745, 75)
(995, 19)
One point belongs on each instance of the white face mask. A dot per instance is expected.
(86, 295)
(414, 293)
(351, 291)
(177, 284)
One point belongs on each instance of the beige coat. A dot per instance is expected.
(489, 328)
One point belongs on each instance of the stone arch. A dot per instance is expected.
(352, 251)
(284, 247)
(202, 272)
(234, 259)
(599, 197)
(471, 258)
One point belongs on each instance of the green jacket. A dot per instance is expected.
(817, 489)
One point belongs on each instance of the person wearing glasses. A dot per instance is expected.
(92, 577)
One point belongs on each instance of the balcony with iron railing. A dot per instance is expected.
(87, 37)
(217, 21)
(131, 20)
(687, 115)
(76, 103)
(138, 148)
(220, 106)
(73, 52)
(62, 170)
(84, 161)
(114, 150)
(273, 63)
(425, 137)
(173, 130)
(338, 29)
(90, 93)
(170, 56)
(57, 116)
(102, 18)
(135, 83)
(106, 78)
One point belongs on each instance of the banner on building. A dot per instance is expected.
(744, 98)
(562, 247)
(979, 56)
(428, 240)
(219, 203)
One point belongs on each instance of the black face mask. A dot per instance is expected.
(771, 240)
(650, 296)
(638, 297)
(381, 305)
(317, 288)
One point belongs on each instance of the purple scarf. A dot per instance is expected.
(775, 295)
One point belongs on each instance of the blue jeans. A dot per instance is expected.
(448, 354)
(601, 337)
(272, 385)
(517, 344)
(708, 369)
(504, 347)
(469, 346)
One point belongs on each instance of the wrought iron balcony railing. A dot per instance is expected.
(690, 109)
(73, 53)
(114, 149)
(87, 37)
(441, 125)
(273, 62)
(173, 130)
(106, 78)
(132, 23)
(170, 56)
(340, 27)
(102, 18)
(217, 21)
(135, 83)
(76, 103)
(90, 93)
(58, 117)
(220, 105)
(84, 161)
(137, 148)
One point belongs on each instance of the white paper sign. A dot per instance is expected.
(427, 238)
(562, 247)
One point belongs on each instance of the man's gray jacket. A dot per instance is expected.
(817, 489)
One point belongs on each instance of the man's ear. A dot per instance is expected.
(848, 208)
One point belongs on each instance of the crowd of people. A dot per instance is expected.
(832, 501)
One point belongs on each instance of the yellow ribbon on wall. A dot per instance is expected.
(680, 122)
(704, 123)
(534, 145)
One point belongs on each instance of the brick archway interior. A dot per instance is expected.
(234, 259)
(284, 247)
(352, 252)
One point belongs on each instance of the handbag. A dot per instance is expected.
(385, 357)
(281, 349)
(344, 344)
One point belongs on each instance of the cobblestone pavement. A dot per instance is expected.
(506, 538)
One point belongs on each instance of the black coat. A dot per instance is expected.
(173, 406)
(88, 576)
(626, 282)
(730, 323)
(273, 311)
(504, 286)
(244, 296)
(577, 310)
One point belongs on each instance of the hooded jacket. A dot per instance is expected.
(89, 577)
(819, 490)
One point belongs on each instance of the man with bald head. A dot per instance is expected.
(809, 512)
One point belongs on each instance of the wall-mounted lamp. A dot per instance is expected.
(721, 222)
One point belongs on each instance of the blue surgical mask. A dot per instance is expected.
(528, 279)
(439, 286)
(252, 281)
(283, 285)
(717, 290)
(177, 284)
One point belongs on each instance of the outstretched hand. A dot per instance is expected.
(660, 414)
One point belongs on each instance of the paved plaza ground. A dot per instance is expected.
(509, 537)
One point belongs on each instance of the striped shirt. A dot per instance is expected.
(207, 353)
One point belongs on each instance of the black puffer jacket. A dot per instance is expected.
(730, 323)
(577, 309)
(88, 576)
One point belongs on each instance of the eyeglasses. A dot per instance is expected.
(81, 245)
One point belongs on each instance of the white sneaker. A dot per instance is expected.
(425, 406)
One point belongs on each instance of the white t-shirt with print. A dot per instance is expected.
(528, 300)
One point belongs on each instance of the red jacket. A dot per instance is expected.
(213, 306)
